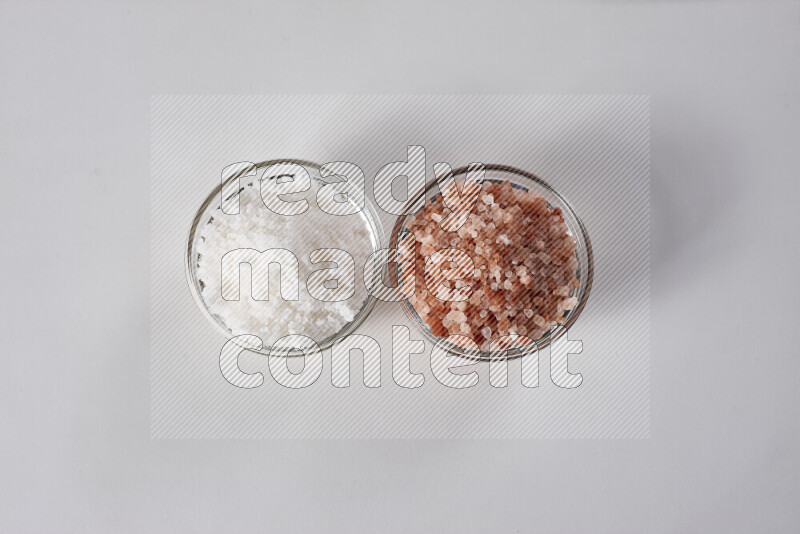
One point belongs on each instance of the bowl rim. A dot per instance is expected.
(324, 344)
(509, 353)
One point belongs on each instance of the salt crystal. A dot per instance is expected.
(524, 258)
(562, 291)
(256, 227)
(456, 316)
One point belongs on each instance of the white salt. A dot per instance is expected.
(256, 227)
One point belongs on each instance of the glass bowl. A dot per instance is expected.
(211, 206)
(524, 180)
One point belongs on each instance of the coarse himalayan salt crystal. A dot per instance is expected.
(456, 316)
(570, 303)
(562, 291)
(524, 260)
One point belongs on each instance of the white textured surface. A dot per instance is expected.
(256, 227)
(75, 161)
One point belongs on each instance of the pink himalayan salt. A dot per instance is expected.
(524, 272)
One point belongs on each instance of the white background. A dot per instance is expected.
(592, 149)
(74, 161)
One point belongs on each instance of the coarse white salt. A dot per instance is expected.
(256, 227)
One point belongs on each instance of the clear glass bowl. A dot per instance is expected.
(204, 216)
(524, 180)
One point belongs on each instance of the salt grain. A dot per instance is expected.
(524, 270)
(257, 227)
